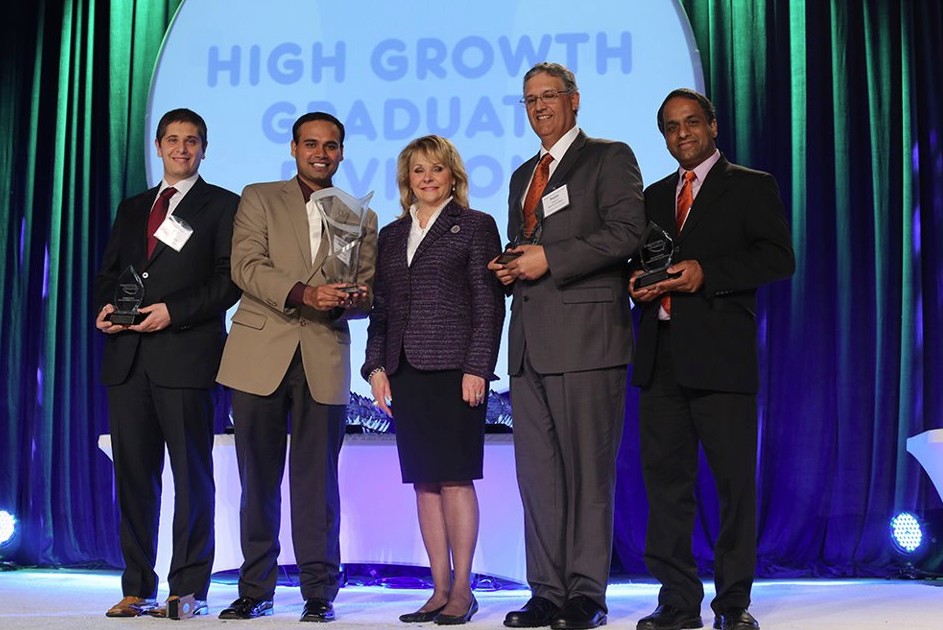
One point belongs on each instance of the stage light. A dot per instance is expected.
(9, 534)
(907, 534)
(917, 544)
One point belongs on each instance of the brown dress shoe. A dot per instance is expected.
(131, 606)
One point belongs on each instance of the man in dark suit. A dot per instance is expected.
(696, 362)
(288, 355)
(570, 342)
(160, 371)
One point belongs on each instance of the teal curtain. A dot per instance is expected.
(74, 77)
(840, 100)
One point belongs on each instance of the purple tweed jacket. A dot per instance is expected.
(447, 309)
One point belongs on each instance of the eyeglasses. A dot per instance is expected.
(547, 97)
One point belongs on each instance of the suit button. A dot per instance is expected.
(302, 322)
(526, 298)
(144, 275)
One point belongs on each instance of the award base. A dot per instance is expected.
(181, 607)
(125, 319)
(654, 277)
(506, 257)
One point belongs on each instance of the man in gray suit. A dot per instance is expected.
(578, 206)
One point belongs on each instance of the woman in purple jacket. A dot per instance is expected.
(432, 347)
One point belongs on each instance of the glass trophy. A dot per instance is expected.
(129, 293)
(522, 238)
(655, 252)
(344, 218)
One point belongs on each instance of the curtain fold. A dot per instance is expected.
(838, 100)
(841, 101)
(73, 133)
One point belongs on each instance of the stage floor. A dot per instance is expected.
(78, 599)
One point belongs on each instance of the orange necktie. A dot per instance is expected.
(157, 216)
(685, 201)
(537, 185)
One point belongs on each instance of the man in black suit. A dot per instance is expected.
(570, 341)
(161, 371)
(696, 362)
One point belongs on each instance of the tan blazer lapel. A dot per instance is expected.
(298, 214)
(323, 249)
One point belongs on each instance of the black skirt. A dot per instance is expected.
(439, 437)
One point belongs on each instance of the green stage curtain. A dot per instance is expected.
(840, 100)
(75, 76)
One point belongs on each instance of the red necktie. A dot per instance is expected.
(157, 216)
(537, 185)
(685, 201)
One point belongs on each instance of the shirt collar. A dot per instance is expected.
(561, 146)
(414, 212)
(306, 191)
(183, 186)
(702, 169)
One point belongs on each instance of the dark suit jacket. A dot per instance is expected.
(737, 231)
(576, 317)
(194, 283)
(446, 310)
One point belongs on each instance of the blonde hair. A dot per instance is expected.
(440, 150)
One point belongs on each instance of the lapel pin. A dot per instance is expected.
(456, 229)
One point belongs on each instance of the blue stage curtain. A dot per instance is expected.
(841, 101)
(74, 76)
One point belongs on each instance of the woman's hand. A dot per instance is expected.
(382, 397)
(473, 390)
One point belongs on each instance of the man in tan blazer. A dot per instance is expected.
(288, 355)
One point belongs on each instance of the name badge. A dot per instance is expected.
(174, 232)
(557, 200)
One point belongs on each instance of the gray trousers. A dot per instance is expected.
(567, 431)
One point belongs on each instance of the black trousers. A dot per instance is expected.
(673, 420)
(145, 417)
(317, 433)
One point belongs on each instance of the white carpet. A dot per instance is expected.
(62, 600)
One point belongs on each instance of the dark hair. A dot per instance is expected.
(311, 117)
(702, 100)
(181, 115)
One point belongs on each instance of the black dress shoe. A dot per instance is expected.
(579, 612)
(247, 608)
(318, 609)
(421, 616)
(670, 618)
(538, 611)
(457, 620)
(736, 619)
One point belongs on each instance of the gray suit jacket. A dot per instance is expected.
(577, 316)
